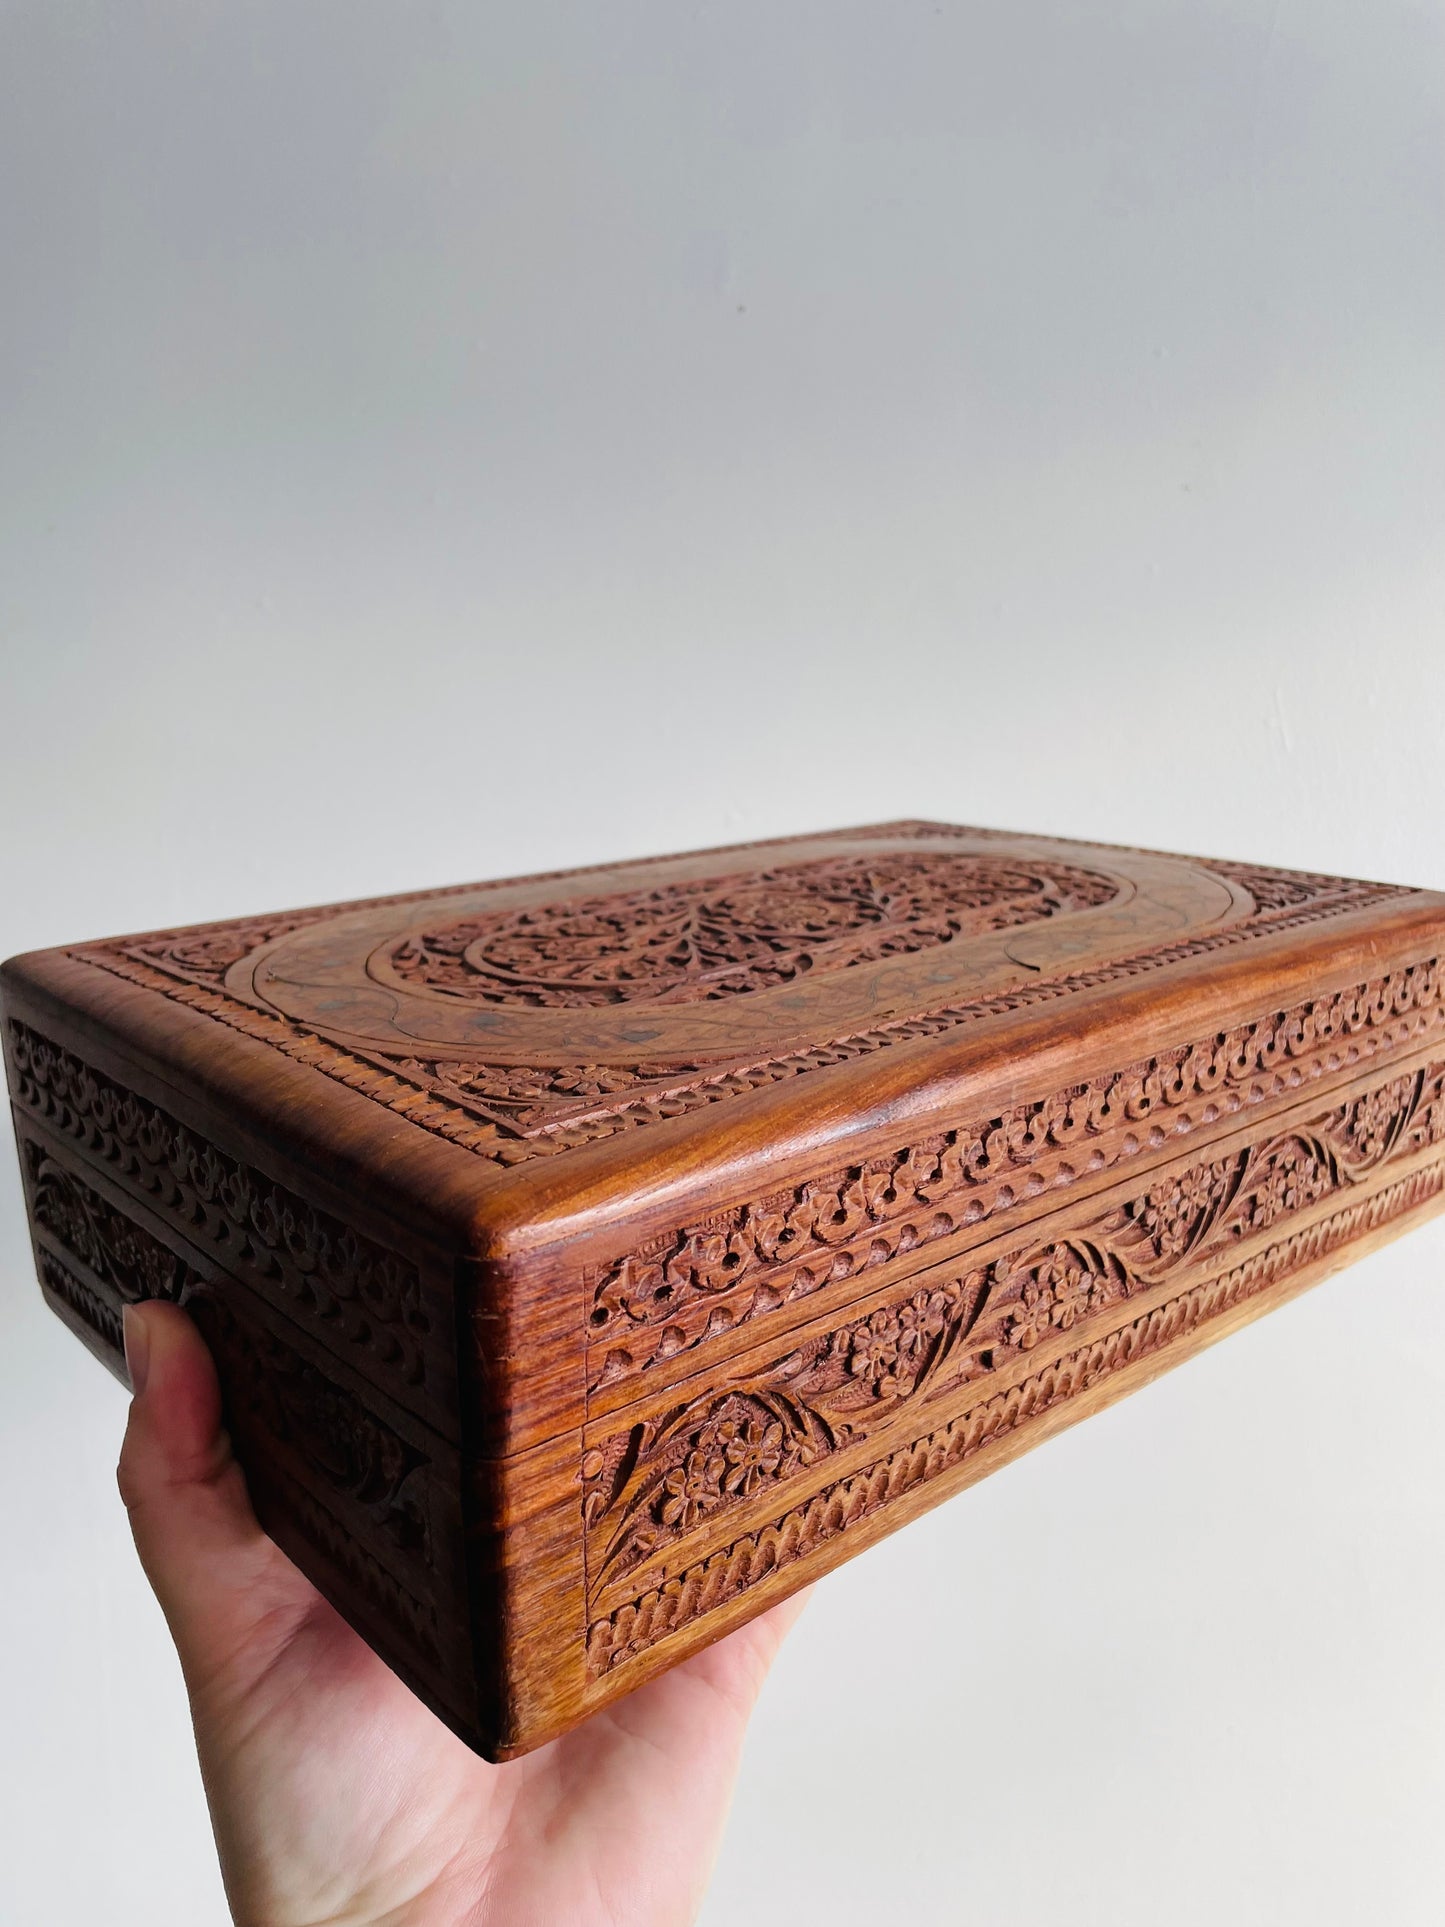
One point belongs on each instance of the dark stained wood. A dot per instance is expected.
(592, 1259)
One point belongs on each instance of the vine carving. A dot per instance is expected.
(660, 1609)
(651, 1484)
(669, 1295)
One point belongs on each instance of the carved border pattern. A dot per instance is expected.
(272, 1393)
(653, 1482)
(331, 1276)
(275, 1395)
(121, 1253)
(510, 1116)
(640, 1623)
(692, 1284)
(83, 1299)
(397, 1603)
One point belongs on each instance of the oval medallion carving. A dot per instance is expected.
(710, 962)
(723, 937)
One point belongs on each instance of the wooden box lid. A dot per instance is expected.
(593, 1257)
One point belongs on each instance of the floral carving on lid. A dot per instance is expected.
(483, 1016)
(717, 937)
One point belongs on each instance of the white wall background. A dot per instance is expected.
(444, 440)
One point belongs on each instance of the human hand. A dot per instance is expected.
(336, 1797)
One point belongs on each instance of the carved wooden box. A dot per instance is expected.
(591, 1259)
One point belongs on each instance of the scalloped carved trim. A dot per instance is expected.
(634, 1627)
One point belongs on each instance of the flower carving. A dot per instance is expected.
(695, 1487)
(871, 1350)
(753, 1449)
(921, 1322)
(1173, 1211)
(1058, 1291)
(1031, 1318)
(1293, 1179)
(1430, 1124)
(728, 1458)
(1373, 1118)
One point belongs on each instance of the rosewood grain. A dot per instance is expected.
(590, 1259)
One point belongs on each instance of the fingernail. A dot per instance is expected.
(137, 1347)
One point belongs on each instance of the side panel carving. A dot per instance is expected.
(352, 1485)
(354, 1293)
(668, 1296)
(279, 1399)
(945, 1336)
(118, 1250)
(639, 1623)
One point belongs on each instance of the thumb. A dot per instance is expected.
(217, 1576)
